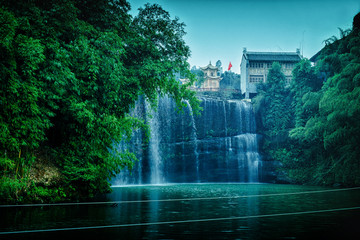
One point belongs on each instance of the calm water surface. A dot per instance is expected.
(226, 201)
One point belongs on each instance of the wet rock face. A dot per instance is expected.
(220, 145)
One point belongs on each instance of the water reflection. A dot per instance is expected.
(293, 226)
(153, 215)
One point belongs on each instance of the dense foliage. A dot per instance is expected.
(315, 122)
(70, 72)
(199, 74)
(230, 80)
(273, 99)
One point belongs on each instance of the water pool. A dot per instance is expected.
(195, 211)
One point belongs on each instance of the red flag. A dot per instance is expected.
(229, 66)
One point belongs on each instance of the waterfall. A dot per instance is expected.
(154, 143)
(225, 120)
(248, 157)
(127, 177)
(220, 145)
(194, 137)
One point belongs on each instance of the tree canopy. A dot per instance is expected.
(230, 80)
(71, 71)
(272, 103)
(321, 119)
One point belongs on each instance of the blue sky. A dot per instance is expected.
(220, 29)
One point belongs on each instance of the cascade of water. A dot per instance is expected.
(122, 178)
(183, 160)
(133, 145)
(208, 148)
(195, 139)
(133, 176)
(248, 157)
(253, 158)
(225, 120)
(248, 118)
(228, 153)
(138, 166)
(239, 115)
(156, 176)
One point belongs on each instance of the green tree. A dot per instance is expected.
(304, 84)
(199, 76)
(70, 73)
(273, 104)
(23, 117)
(327, 130)
(230, 80)
(274, 116)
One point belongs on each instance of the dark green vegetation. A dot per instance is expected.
(199, 76)
(70, 71)
(230, 80)
(313, 126)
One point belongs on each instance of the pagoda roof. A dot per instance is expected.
(213, 77)
(273, 56)
(209, 66)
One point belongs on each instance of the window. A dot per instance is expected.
(287, 80)
(288, 65)
(256, 65)
(256, 78)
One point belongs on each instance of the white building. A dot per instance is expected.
(255, 67)
(211, 78)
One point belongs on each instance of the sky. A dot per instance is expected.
(221, 29)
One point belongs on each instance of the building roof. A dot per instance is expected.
(209, 66)
(213, 77)
(315, 57)
(273, 56)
